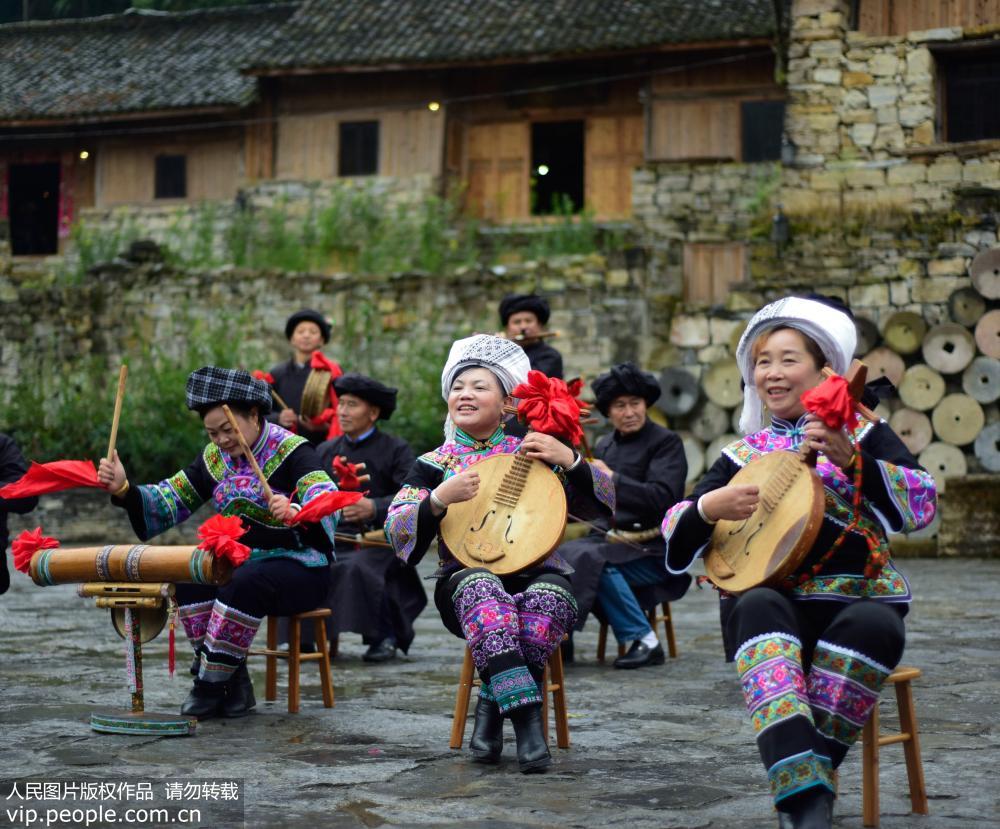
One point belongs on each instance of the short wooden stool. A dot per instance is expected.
(654, 619)
(909, 737)
(295, 657)
(554, 681)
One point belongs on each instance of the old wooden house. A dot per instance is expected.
(531, 107)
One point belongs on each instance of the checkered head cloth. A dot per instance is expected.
(213, 386)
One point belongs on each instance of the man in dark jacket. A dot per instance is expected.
(372, 592)
(12, 467)
(619, 568)
(524, 317)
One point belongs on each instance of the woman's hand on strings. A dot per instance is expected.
(833, 443)
(546, 448)
(111, 473)
(735, 502)
(458, 488)
(281, 507)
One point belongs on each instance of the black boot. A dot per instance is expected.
(486, 743)
(205, 700)
(240, 700)
(532, 751)
(812, 810)
(196, 665)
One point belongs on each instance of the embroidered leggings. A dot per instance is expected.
(512, 624)
(220, 622)
(811, 672)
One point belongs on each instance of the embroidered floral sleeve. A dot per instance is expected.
(903, 495)
(155, 508)
(410, 525)
(590, 493)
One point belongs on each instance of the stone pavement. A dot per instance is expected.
(660, 747)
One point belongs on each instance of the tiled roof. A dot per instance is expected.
(330, 33)
(133, 62)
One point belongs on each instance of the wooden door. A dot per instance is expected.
(612, 149)
(496, 170)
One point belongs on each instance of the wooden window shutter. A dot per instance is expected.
(496, 170)
(613, 149)
(711, 269)
(701, 129)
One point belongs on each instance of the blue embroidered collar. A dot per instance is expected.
(467, 440)
(785, 428)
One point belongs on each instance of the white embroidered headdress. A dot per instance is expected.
(505, 358)
(832, 330)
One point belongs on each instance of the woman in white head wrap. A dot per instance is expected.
(813, 651)
(511, 623)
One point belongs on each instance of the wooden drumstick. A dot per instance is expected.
(278, 400)
(246, 451)
(119, 397)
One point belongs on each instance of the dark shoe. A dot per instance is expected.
(240, 700)
(566, 646)
(196, 665)
(205, 700)
(532, 752)
(486, 744)
(384, 651)
(640, 655)
(811, 811)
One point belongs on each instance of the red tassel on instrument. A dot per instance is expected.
(832, 403)
(27, 544)
(219, 534)
(328, 416)
(548, 405)
(267, 377)
(323, 505)
(347, 473)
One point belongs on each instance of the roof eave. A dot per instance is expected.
(105, 118)
(327, 69)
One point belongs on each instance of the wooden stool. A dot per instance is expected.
(295, 657)
(871, 742)
(554, 681)
(654, 619)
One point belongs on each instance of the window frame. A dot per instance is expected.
(368, 122)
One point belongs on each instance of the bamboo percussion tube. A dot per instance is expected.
(128, 563)
(246, 451)
(122, 374)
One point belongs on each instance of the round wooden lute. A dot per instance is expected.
(515, 521)
(773, 542)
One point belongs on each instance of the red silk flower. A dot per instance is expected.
(267, 377)
(323, 505)
(27, 544)
(347, 473)
(547, 405)
(831, 402)
(219, 536)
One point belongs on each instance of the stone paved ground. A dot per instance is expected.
(660, 747)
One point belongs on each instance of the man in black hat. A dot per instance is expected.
(372, 592)
(619, 568)
(524, 317)
(307, 331)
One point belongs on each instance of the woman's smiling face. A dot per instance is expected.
(784, 369)
(475, 402)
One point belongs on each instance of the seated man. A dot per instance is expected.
(371, 591)
(619, 576)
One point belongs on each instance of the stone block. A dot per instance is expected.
(919, 62)
(827, 76)
(822, 123)
(827, 180)
(890, 136)
(910, 268)
(883, 65)
(673, 182)
(910, 116)
(953, 266)
(882, 95)
(722, 330)
(865, 178)
(887, 115)
(689, 331)
(923, 134)
(927, 35)
(936, 289)
(906, 174)
(981, 172)
(859, 116)
(863, 134)
(868, 296)
(618, 278)
(854, 99)
(826, 49)
(899, 293)
(853, 79)
(945, 171)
